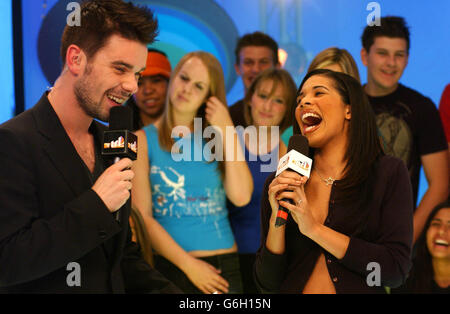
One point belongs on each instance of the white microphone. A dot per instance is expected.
(295, 160)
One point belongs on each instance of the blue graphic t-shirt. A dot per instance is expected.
(188, 196)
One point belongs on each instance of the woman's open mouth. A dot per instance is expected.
(311, 121)
(441, 243)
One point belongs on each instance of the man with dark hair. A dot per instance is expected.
(254, 53)
(149, 101)
(58, 231)
(408, 122)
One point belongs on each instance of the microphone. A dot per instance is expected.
(295, 160)
(119, 142)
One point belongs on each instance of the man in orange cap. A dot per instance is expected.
(148, 102)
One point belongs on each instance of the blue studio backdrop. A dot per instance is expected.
(6, 62)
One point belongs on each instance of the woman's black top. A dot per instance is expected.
(379, 256)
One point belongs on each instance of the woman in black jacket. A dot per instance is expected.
(350, 228)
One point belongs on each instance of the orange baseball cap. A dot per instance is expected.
(157, 64)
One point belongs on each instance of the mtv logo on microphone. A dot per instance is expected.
(296, 162)
(120, 143)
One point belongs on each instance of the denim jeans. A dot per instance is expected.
(227, 263)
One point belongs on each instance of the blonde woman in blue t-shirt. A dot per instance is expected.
(181, 185)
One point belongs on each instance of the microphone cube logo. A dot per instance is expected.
(133, 146)
(302, 164)
(295, 161)
(119, 143)
(283, 163)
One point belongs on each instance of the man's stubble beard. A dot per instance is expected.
(82, 90)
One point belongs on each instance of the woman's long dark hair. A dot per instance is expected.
(422, 275)
(364, 147)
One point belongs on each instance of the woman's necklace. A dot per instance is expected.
(328, 181)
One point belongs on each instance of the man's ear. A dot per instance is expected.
(364, 54)
(75, 59)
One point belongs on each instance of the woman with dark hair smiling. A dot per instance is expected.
(355, 209)
(431, 265)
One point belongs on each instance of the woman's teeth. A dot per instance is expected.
(309, 114)
(311, 120)
(441, 242)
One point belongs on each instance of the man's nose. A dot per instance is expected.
(130, 84)
(256, 67)
(391, 60)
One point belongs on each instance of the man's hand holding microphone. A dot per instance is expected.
(120, 147)
(114, 185)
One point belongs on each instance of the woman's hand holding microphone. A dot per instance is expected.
(290, 185)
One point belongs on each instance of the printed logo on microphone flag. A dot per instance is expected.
(296, 162)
